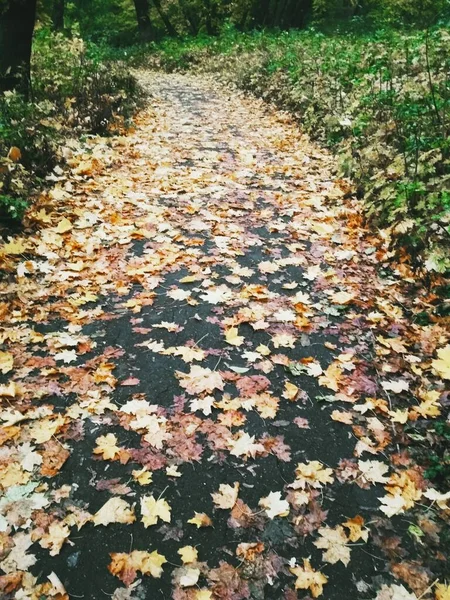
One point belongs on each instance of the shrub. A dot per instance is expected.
(74, 92)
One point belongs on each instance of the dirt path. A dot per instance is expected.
(202, 310)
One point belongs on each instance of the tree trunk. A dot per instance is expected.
(210, 13)
(143, 20)
(168, 25)
(17, 21)
(261, 12)
(193, 26)
(58, 14)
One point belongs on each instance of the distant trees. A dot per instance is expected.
(58, 14)
(17, 20)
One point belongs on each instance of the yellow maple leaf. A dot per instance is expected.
(107, 446)
(200, 380)
(441, 365)
(14, 247)
(12, 474)
(43, 430)
(267, 405)
(152, 510)
(233, 338)
(356, 531)
(142, 476)
(290, 391)
(116, 510)
(332, 376)
(334, 542)
(342, 298)
(206, 595)
(188, 554)
(312, 474)
(226, 496)
(245, 445)
(201, 520)
(274, 505)
(442, 591)
(64, 225)
(307, 577)
(6, 362)
(125, 566)
(55, 537)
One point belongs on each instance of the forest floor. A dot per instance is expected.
(211, 389)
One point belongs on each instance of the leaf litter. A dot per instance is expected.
(206, 385)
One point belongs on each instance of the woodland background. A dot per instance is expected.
(368, 78)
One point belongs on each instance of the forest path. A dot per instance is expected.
(202, 305)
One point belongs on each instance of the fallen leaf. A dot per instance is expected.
(6, 362)
(232, 337)
(334, 542)
(200, 380)
(201, 520)
(308, 578)
(152, 510)
(188, 576)
(274, 505)
(441, 365)
(125, 566)
(312, 474)
(115, 510)
(227, 495)
(107, 446)
(188, 554)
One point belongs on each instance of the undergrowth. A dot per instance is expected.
(379, 100)
(75, 91)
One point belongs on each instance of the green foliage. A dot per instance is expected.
(103, 21)
(12, 207)
(438, 468)
(381, 101)
(392, 12)
(74, 92)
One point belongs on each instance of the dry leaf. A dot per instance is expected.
(201, 520)
(308, 578)
(188, 554)
(274, 505)
(312, 474)
(107, 446)
(115, 510)
(152, 510)
(125, 566)
(334, 542)
(227, 495)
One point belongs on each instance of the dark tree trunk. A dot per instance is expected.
(210, 13)
(17, 21)
(192, 23)
(143, 20)
(167, 24)
(58, 14)
(261, 12)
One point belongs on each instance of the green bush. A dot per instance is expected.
(381, 101)
(74, 91)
